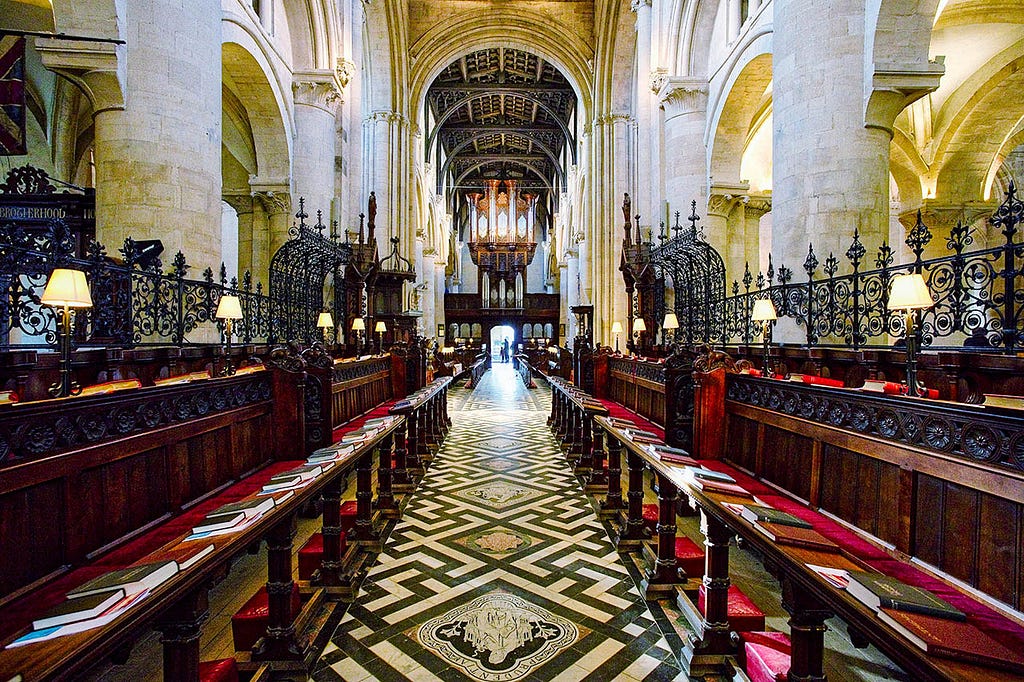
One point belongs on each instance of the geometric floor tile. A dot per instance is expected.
(499, 569)
(497, 637)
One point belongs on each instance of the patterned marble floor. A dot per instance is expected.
(499, 570)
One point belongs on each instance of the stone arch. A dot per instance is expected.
(997, 180)
(248, 74)
(313, 33)
(736, 108)
(691, 22)
(519, 29)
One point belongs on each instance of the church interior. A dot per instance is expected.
(501, 340)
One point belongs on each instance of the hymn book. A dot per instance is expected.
(132, 579)
(758, 514)
(952, 639)
(880, 591)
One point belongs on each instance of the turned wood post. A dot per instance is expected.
(613, 501)
(363, 531)
(666, 570)
(598, 479)
(632, 530)
(329, 573)
(385, 497)
(402, 481)
(180, 628)
(807, 618)
(279, 644)
(715, 636)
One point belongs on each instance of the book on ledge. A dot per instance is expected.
(707, 474)
(718, 487)
(953, 639)
(672, 455)
(879, 591)
(104, 618)
(331, 453)
(757, 514)
(219, 522)
(295, 478)
(643, 440)
(796, 536)
(131, 580)
(82, 608)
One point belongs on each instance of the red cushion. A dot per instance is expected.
(689, 556)
(223, 670)
(766, 664)
(773, 640)
(312, 554)
(651, 517)
(618, 411)
(348, 515)
(250, 623)
(743, 614)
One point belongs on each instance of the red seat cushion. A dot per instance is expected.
(650, 512)
(743, 614)
(250, 623)
(311, 554)
(689, 556)
(774, 640)
(620, 412)
(348, 515)
(223, 670)
(766, 664)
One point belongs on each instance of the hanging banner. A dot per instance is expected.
(12, 96)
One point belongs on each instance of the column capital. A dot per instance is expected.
(274, 197)
(941, 217)
(344, 69)
(241, 202)
(894, 87)
(659, 77)
(683, 95)
(318, 88)
(637, 5)
(97, 68)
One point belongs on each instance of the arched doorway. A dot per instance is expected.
(499, 335)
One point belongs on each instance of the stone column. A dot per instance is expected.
(646, 199)
(722, 232)
(158, 160)
(830, 151)
(317, 95)
(439, 318)
(686, 168)
(270, 232)
(243, 205)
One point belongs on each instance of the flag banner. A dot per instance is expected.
(12, 96)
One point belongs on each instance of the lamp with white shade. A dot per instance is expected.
(66, 290)
(229, 309)
(325, 321)
(380, 328)
(616, 330)
(358, 327)
(764, 312)
(909, 293)
(670, 324)
(639, 327)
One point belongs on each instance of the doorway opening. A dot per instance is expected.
(503, 339)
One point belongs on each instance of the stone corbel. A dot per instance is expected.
(344, 69)
(97, 68)
(637, 5)
(725, 196)
(658, 79)
(273, 196)
(319, 88)
(940, 218)
(680, 96)
(894, 87)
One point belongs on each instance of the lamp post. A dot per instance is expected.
(66, 290)
(616, 330)
(764, 312)
(910, 293)
(380, 328)
(670, 324)
(358, 326)
(325, 322)
(639, 327)
(229, 309)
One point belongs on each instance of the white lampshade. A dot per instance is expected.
(670, 321)
(639, 325)
(229, 308)
(764, 311)
(909, 292)
(325, 321)
(380, 327)
(67, 288)
(616, 328)
(358, 325)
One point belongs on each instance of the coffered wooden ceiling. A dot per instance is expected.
(502, 113)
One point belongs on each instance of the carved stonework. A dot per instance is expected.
(637, 5)
(683, 95)
(658, 79)
(940, 218)
(343, 71)
(273, 202)
(316, 89)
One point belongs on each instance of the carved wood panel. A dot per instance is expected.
(861, 490)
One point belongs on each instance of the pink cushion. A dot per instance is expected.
(689, 556)
(223, 670)
(743, 614)
(250, 623)
(773, 640)
(620, 412)
(650, 515)
(765, 664)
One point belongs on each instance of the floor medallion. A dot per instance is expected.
(497, 637)
(499, 542)
(499, 494)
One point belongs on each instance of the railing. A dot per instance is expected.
(978, 294)
(133, 304)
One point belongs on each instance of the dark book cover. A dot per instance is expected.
(708, 475)
(880, 591)
(132, 579)
(82, 608)
(796, 536)
(250, 507)
(953, 639)
(220, 522)
(721, 488)
(759, 514)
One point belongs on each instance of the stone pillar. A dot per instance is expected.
(158, 160)
(686, 168)
(243, 205)
(646, 199)
(722, 233)
(270, 230)
(439, 318)
(831, 153)
(317, 95)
